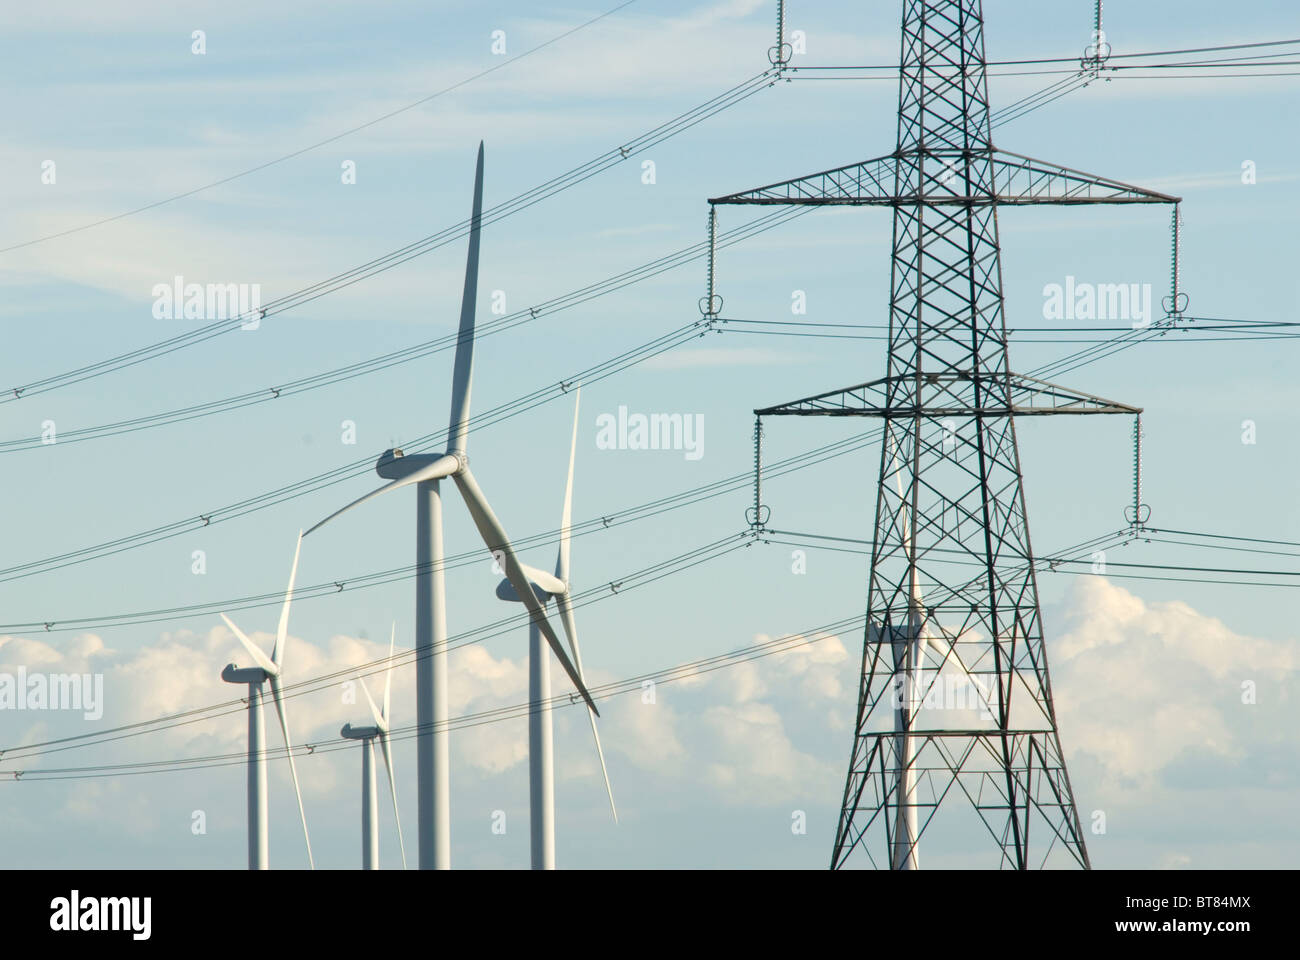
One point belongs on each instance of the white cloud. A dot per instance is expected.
(1148, 697)
(1141, 686)
(753, 734)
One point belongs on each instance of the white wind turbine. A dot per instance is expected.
(268, 668)
(541, 753)
(909, 645)
(369, 793)
(426, 471)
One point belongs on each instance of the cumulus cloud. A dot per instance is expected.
(181, 671)
(750, 735)
(1149, 698)
(1142, 686)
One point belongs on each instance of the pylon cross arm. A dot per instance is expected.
(1002, 395)
(1024, 180)
(869, 182)
(948, 178)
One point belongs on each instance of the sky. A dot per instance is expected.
(716, 768)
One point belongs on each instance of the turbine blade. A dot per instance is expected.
(571, 631)
(374, 710)
(372, 494)
(254, 651)
(442, 467)
(293, 769)
(566, 516)
(392, 788)
(494, 536)
(464, 369)
(282, 631)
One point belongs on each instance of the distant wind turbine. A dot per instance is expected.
(426, 471)
(541, 751)
(266, 669)
(369, 793)
(909, 645)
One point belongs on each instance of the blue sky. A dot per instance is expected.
(710, 774)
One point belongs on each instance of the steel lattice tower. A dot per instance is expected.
(955, 703)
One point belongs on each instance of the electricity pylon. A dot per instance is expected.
(955, 701)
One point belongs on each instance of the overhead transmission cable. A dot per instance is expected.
(477, 634)
(486, 631)
(360, 467)
(523, 201)
(382, 362)
(348, 471)
(603, 691)
(731, 484)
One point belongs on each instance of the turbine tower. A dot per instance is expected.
(369, 792)
(541, 750)
(426, 471)
(267, 669)
(949, 493)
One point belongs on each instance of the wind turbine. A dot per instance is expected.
(541, 754)
(909, 645)
(268, 668)
(426, 471)
(369, 793)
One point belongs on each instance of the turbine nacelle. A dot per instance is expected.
(395, 465)
(237, 674)
(350, 732)
(545, 585)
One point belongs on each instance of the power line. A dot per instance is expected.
(1073, 59)
(321, 481)
(650, 509)
(1241, 330)
(600, 692)
(349, 471)
(574, 298)
(406, 658)
(1051, 564)
(550, 188)
(661, 570)
(357, 468)
(640, 578)
(1224, 536)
